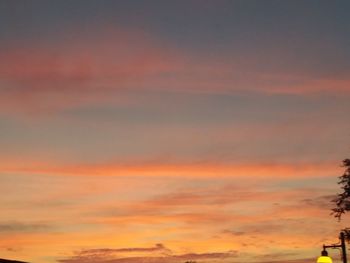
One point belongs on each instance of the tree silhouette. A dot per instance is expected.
(342, 201)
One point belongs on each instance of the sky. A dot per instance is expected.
(171, 131)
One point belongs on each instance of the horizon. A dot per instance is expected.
(172, 131)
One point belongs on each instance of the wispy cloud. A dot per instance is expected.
(113, 256)
(156, 248)
(17, 227)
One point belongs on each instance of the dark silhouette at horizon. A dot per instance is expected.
(11, 261)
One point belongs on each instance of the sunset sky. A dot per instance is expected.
(167, 131)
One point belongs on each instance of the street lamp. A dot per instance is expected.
(324, 258)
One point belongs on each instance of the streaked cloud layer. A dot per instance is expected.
(172, 131)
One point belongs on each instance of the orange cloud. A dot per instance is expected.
(193, 218)
(263, 170)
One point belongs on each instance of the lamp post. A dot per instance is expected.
(324, 258)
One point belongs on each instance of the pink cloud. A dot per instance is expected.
(76, 69)
(79, 69)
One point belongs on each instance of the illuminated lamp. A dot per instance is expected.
(324, 258)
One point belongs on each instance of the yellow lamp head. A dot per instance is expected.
(324, 259)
